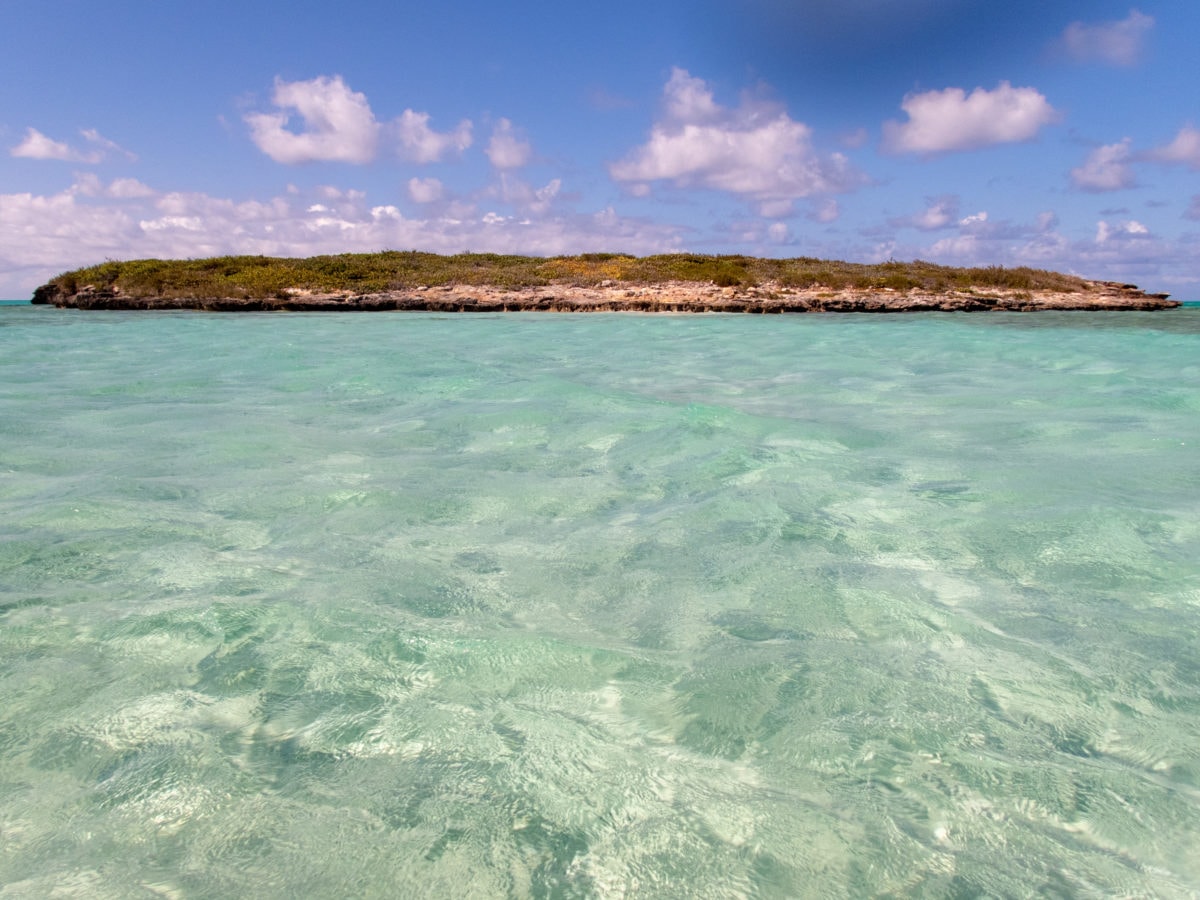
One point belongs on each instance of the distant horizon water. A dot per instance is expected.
(20, 302)
(313, 605)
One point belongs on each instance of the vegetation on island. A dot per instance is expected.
(364, 273)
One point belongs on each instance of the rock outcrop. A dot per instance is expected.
(668, 297)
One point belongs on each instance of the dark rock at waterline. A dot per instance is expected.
(671, 297)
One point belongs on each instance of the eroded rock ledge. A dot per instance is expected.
(668, 297)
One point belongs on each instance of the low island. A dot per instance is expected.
(591, 282)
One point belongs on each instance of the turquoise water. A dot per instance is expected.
(557, 606)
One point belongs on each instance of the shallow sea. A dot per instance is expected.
(389, 605)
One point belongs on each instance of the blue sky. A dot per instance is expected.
(1061, 135)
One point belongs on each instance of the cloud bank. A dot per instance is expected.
(41, 236)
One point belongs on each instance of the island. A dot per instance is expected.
(591, 282)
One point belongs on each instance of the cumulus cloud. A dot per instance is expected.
(1184, 149)
(38, 146)
(338, 125)
(826, 212)
(950, 119)
(524, 196)
(1106, 232)
(1118, 43)
(417, 142)
(128, 189)
(1105, 169)
(506, 150)
(939, 212)
(425, 190)
(1046, 221)
(755, 151)
(90, 185)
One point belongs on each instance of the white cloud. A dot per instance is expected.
(1118, 43)
(1184, 149)
(129, 189)
(106, 147)
(425, 190)
(826, 212)
(549, 191)
(978, 239)
(506, 150)
(961, 248)
(525, 196)
(777, 232)
(1125, 250)
(338, 123)
(417, 142)
(1121, 231)
(939, 212)
(689, 99)
(41, 236)
(1046, 248)
(332, 192)
(89, 185)
(37, 146)
(755, 151)
(1105, 169)
(950, 119)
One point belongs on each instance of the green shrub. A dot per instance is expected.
(261, 276)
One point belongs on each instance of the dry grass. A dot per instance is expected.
(260, 276)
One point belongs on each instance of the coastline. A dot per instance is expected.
(611, 296)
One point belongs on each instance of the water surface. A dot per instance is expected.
(609, 605)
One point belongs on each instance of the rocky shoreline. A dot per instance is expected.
(666, 297)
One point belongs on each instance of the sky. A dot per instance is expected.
(1060, 135)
